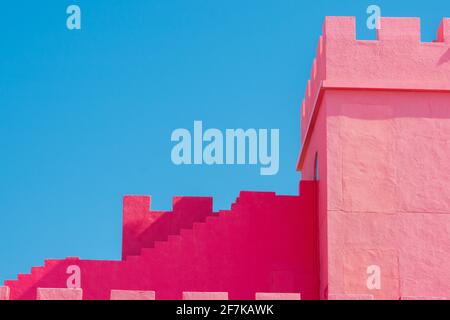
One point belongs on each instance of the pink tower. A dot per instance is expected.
(376, 135)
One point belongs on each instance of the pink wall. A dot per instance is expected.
(389, 203)
(141, 226)
(317, 149)
(265, 243)
(378, 113)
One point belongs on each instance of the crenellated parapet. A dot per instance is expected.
(142, 226)
(193, 253)
(396, 60)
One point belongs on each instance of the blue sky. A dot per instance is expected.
(86, 116)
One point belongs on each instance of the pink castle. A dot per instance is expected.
(372, 218)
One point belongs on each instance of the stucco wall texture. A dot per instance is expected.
(376, 124)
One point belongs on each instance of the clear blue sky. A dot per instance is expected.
(86, 116)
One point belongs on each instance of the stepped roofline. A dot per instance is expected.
(396, 60)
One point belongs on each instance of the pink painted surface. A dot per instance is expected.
(132, 295)
(59, 294)
(396, 61)
(143, 226)
(205, 295)
(377, 115)
(4, 293)
(350, 297)
(424, 298)
(375, 162)
(390, 206)
(277, 296)
(264, 243)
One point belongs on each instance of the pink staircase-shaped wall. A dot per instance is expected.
(265, 243)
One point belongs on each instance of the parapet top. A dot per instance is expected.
(344, 28)
(397, 60)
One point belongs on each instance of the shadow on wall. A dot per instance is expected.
(445, 58)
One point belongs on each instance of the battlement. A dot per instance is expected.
(132, 204)
(142, 226)
(400, 29)
(192, 252)
(396, 60)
